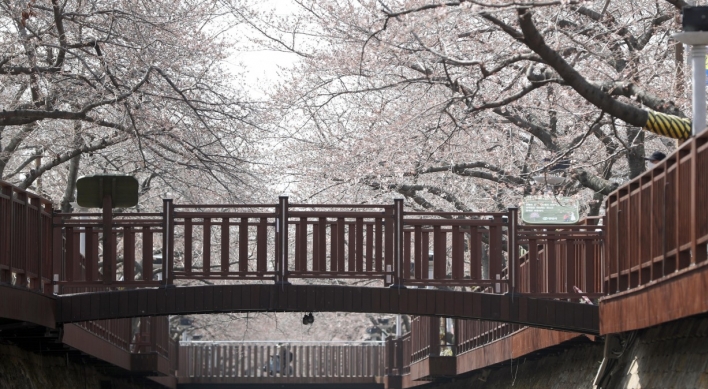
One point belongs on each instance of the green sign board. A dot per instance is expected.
(549, 210)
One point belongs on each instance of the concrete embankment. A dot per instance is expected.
(672, 355)
(21, 369)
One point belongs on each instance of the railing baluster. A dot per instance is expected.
(298, 245)
(370, 247)
(128, 255)
(188, 245)
(359, 227)
(419, 254)
(425, 251)
(333, 248)
(571, 259)
(495, 252)
(458, 260)
(262, 242)
(340, 245)
(389, 227)
(440, 253)
(351, 245)
(225, 246)
(378, 230)
(475, 247)
(243, 245)
(316, 246)
(147, 254)
(206, 247)
(322, 243)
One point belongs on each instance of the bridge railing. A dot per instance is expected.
(561, 261)
(424, 336)
(81, 259)
(338, 241)
(118, 332)
(289, 241)
(221, 241)
(136, 335)
(25, 238)
(472, 334)
(658, 222)
(282, 360)
(455, 249)
(145, 337)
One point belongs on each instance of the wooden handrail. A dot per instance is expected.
(657, 224)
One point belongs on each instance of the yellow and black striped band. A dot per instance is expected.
(668, 125)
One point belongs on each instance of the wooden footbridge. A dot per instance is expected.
(470, 280)
(464, 265)
(96, 271)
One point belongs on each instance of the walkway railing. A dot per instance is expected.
(25, 238)
(281, 361)
(658, 222)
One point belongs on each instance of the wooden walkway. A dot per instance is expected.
(657, 243)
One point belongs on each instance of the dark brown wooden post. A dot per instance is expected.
(147, 254)
(109, 274)
(48, 248)
(167, 232)
(513, 250)
(389, 232)
(21, 247)
(206, 247)
(225, 245)
(434, 336)
(36, 283)
(188, 239)
(128, 254)
(398, 244)
(6, 231)
(696, 257)
(281, 261)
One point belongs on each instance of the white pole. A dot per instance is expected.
(698, 57)
(398, 326)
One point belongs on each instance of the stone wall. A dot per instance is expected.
(672, 355)
(20, 369)
(574, 367)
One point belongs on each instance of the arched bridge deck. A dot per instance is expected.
(535, 312)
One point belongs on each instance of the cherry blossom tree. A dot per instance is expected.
(457, 105)
(122, 86)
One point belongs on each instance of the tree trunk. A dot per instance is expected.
(635, 159)
(74, 163)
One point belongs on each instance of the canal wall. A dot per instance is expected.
(671, 355)
(21, 369)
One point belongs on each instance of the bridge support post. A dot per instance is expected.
(37, 282)
(109, 267)
(167, 242)
(281, 262)
(398, 244)
(513, 251)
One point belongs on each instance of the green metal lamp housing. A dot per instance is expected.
(122, 189)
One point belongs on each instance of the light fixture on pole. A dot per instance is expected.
(695, 35)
